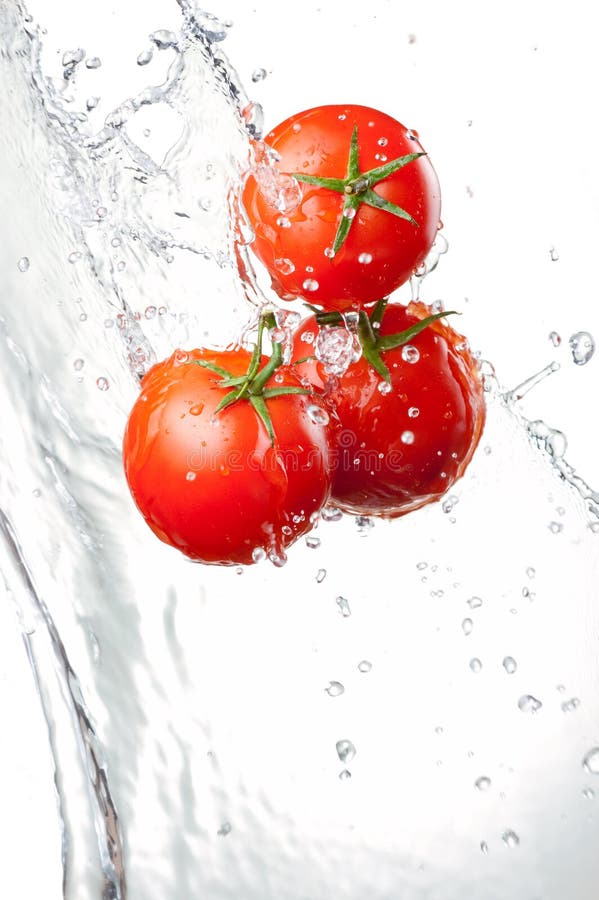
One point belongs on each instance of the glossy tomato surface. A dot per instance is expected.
(212, 484)
(399, 449)
(381, 250)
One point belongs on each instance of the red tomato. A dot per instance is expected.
(380, 250)
(398, 449)
(212, 484)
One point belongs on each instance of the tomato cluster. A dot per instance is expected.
(376, 408)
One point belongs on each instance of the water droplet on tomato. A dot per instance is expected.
(344, 607)
(582, 346)
(384, 388)
(342, 117)
(349, 213)
(296, 127)
(196, 409)
(283, 222)
(382, 142)
(307, 337)
(335, 689)
(381, 157)
(407, 437)
(329, 252)
(529, 704)
(412, 134)
(191, 476)
(413, 412)
(312, 542)
(509, 664)
(310, 284)
(410, 354)
(365, 258)
(345, 750)
(317, 414)
(284, 266)
(258, 554)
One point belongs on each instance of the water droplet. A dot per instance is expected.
(476, 665)
(145, 57)
(23, 264)
(344, 607)
(364, 524)
(102, 383)
(312, 542)
(345, 751)
(413, 412)
(407, 437)
(94, 62)
(344, 775)
(191, 476)
(421, 565)
(321, 575)
(569, 706)
(529, 704)
(410, 354)
(555, 527)
(224, 829)
(365, 258)
(449, 503)
(331, 514)
(258, 75)
(590, 762)
(474, 602)
(90, 104)
(589, 793)
(78, 364)
(72, 57)
(484, 847)
(283, 222)
(384, 388)
(553, 255)
(284, 266)
(349, 213)
(382, 142)
(310, 284)
(467, 626)
(364, 666)
(296, 127)
(510, 839)
(341, 117)
(163, 38)
(74, 257)
(582, 345)
(335, 348)
(483, 783)
(555, 338)
(335, 689)
(258, 554)
(531, 572)
(380, 157)
(317, 414)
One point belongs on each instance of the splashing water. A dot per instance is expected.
(176, 731)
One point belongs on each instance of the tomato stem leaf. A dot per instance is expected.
(390, 341)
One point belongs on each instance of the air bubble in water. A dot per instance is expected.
(23, 264)
(410, 354)
(335, 689)
(529, 704)
(582, 346)
(344, 607)
(345, 751)
(590, 762)
(510, 839)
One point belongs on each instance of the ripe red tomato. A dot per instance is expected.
(379, 226)
(212, 484)
(401, 445)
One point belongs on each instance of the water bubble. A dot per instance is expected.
(510, 839)
(344, 607)
(310, 284)
(259, 75)
(529, 704)
(317, 415)
(582, 346)
(258, 554)
(483, 783)
(191, 476)
(590, 762)
(335, 689)
(364, 666)
(569, 706)
(407, 437)
(467, 626)
(476, 665)
(224, 829)
(365, 258)
(553, 255)
(384, 388)
(345, 750)
(410, 354)
(78, 364)
(284, 266)
(321, 575)
(102, 383)
(413, 412)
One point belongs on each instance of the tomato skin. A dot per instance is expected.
(212, 485)
(401, 450)
(292, 244)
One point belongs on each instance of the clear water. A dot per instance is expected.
(405, 709)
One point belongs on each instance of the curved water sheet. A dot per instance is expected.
(404, 709)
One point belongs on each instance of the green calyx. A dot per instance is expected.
(374, 344)
(251, 387)
(357, 186)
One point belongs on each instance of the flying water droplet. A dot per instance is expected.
(312, 542)
(94, 62)
(529, 704)
(102, 383)
(474, 602)
(23, 264)
(590, 762)
(321, 575)
(344, 607)
(553, 255)
(344, 775)
(555, 338)
(224, 829)
(145, 57)
(364, 666)
(345, 751)
(258, 75)
(258, 554)
(331, 514)
(510, 839)
(589, 793)
(78, 364)
(467, 626)
(335, 689)
(570, 706)
(582, 346)
(475, 665)
(483, 783)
